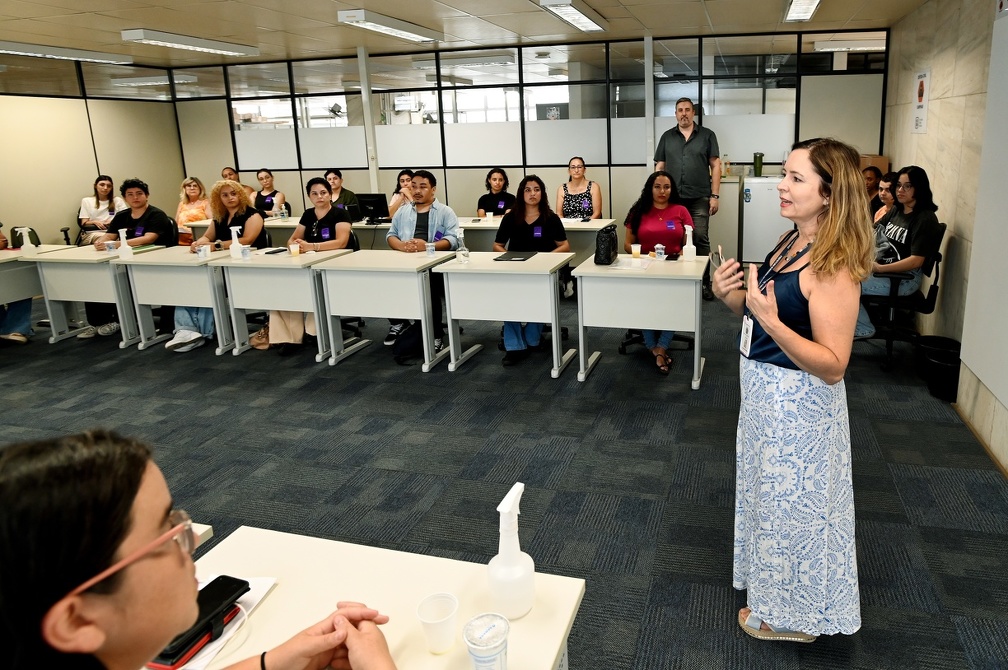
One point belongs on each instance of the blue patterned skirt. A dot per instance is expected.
(794, 503)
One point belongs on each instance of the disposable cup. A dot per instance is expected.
(635, 250)
(246, 252)
(438, 613)
(203, 251)
(110, 247)
(430, 248)
(295, 249)
(486, 637)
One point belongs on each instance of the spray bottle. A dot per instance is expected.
(125, 250)
(235, 243)
(511, 572)
(27, 248)
(688, 250)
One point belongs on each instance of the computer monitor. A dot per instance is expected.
(374, 206)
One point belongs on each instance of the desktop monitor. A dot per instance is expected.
(374, 206)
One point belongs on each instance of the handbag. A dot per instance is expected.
(606, 243)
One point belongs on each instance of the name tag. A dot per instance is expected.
(138, 232)
(500, 205)
(438, 235)
(537, 231)
(746, 340)
(339, 206)
(326, 233)
(670, 225)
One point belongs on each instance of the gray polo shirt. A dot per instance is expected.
(688, 161)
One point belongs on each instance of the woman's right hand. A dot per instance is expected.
(727, 279)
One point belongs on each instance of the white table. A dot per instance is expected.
(88, 275)
(276, 281)
(314, 574)
(279, 229)
(487, 290)
(172, 276)
(380, 284)
(18, 280)
(480, 235)
(664, 295)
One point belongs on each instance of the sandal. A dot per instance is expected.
(753, 626)
(662, 361)
(261, 339)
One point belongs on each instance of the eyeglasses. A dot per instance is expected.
(181, 532)
(904, 187)
(576, 167)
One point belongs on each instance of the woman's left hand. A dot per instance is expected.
(762, 307)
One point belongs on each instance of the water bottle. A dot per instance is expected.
(462, 254)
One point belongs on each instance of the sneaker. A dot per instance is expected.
(182, 338)
(110, 328)
(393, 334)
(87, 333)
(22, 339)
(569, 290)
(514, 357)
(439, 344)
(198, 342)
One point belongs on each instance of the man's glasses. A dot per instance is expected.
(181, 532)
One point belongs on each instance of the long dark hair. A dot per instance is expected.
(646, 200)
(501, 172)
(544, 206)
(398, 177)
(923, 197)
(65, 509)
(111, 195)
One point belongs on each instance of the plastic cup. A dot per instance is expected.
(110, 247)
(486, 637)
(438, 615)
(203, 251)
(246, 252)
(295, 249)
(430, 248)
(659, 252)
(635, 250)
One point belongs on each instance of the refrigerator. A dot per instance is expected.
(760, 221)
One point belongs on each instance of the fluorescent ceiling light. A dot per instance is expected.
(362, 18)
(485, 59)
(155, 80)
(801, 10)
(850, 45)
(171, 40)
(40, 51)
(576, 13)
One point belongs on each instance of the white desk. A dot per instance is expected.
(18, 280)
(487, 290)
(314, 574)
(174, 275)
(279, 229)
(480, 235)
(276, 281)
(380, 284)
(666, 295)
(88, 275)
(371, 235)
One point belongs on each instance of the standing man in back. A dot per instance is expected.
(689, 152)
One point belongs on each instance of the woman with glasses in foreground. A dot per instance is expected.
(96, 568)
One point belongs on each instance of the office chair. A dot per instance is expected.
(893, 314)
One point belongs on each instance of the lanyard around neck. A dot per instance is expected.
(773, 270)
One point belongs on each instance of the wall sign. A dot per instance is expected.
(922, 82)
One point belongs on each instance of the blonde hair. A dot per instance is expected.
(220, 212)
(845, 241)
(191, 180)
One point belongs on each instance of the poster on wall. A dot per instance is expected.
(923, 83)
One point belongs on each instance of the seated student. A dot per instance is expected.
(530, 226)
(193, 206)
(144, 224)
(872, 178)
(15, 317)
(426, 220)
(886, 191)
(579, 198)
(97, 211)
(402, 194)
(231, 174)
(269, 201)
(658, 217)
(321, 228)
(98, 569)
(904, 240)
(231, 207)
(342, 198)
(497, 201)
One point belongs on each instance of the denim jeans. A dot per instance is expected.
(657, 338)
(196, 319)
(880, 286)
(517, 337)
(16, 317)
(699, 209)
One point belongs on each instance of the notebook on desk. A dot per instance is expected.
(515, 256)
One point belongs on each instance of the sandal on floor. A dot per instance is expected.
(752, 625)
(261, 339)
(662, 363)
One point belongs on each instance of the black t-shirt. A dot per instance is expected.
(222, 230)
(874, 206)
(422, 225)
(264, 203)
(540, 235)
(496, 204)
(324, 229)
(153, 220)
(899, 235)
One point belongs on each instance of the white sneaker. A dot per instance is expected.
(198, 342)
(87, 333)
(569, 290)
(393, 334)
(110, 328)
(182, 338)
(439, 344)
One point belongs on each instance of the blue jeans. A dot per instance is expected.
(658, 338)
(517, 337)
(16, 317)
(197, 319)
(880, 286)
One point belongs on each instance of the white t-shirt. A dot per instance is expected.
(100, 213)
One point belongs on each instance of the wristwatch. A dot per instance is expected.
(715, 196)
(217, 245)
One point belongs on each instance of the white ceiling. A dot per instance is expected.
(300, 29)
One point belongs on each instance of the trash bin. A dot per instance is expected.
(941, 365)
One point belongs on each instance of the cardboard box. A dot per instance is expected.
(881, 162)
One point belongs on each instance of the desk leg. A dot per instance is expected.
(458, 357)
(337, 345)
(431, 358)
(128, 328)
(560, 360)
(59, 328)
(238, 322)
(322, 323)
(698, 361)
(145, 321)
(219, 303)
(586, 365)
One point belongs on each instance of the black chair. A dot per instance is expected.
(172, 240)
(287, 206)
(893, 314)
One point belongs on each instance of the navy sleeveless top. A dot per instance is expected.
(793, 311)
